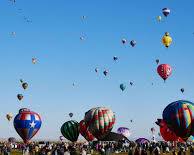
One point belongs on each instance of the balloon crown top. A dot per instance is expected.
(167, 34)
(23, 110)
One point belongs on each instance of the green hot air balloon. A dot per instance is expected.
(70, 130)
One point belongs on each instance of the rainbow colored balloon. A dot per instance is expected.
(179, 117)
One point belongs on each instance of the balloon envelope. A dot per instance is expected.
(142, 141)
(124, 131)
(164, 70)
(27, 123)
(179, 117)
(99, 121)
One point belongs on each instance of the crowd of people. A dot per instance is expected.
(97, 147)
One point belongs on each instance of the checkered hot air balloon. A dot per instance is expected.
(70, 130)
(179, 117)
(99, 121)
(27, 123)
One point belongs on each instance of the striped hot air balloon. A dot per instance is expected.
(70, 130)
(166, 11)
(179, 117)
(84, 131)
(27, 123)
(100, 121)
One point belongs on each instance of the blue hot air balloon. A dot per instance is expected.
(27, 123)
(122, 86)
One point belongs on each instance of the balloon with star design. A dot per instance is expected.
(27, 123)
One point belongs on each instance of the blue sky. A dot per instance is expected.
(53, 38)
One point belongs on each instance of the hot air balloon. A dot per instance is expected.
(25, 85)
(20, 97)
(99, 121)
(190, 139)
(85, 132)
(182, 90)
(122, 87)
(9, 116)
(70, 114)
(166, 133)
(96, 70)
(124, 131)
(70, 130)
(142, 141)
(61, 138)
(166, 39)
(166, 11)
(124, 41)
(115, 58)
(164, 70)
(34, 60)
(131, 83)
(157, 61)
(105, 72)
(133, 43)
(11, 140)
(179, 117)
(152, 130)
(159, 18)
(27, 123)
(131, 120)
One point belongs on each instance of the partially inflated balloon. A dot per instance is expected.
(27, 123)
(85, 132)
(179, 117)
(70, 130)
(99, 121)
(164, 70)
(124, 131)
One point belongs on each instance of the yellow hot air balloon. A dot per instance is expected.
(159, 18)
(9, 116)
(166, 40)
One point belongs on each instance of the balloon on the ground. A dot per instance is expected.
(179, 117)
(27, 123)
(11, 140)
(124, 131)
(166, 11)
(164, 70)
(167, 40)
(85, 132)
(153, 130)
(70, 130)
(142, 141)
(61, 138)
(99, 121)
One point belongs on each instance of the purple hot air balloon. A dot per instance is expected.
(124, 131)
(142, 141)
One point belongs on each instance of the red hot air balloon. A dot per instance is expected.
(84, 131)
(166, 133)
(164, 70)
